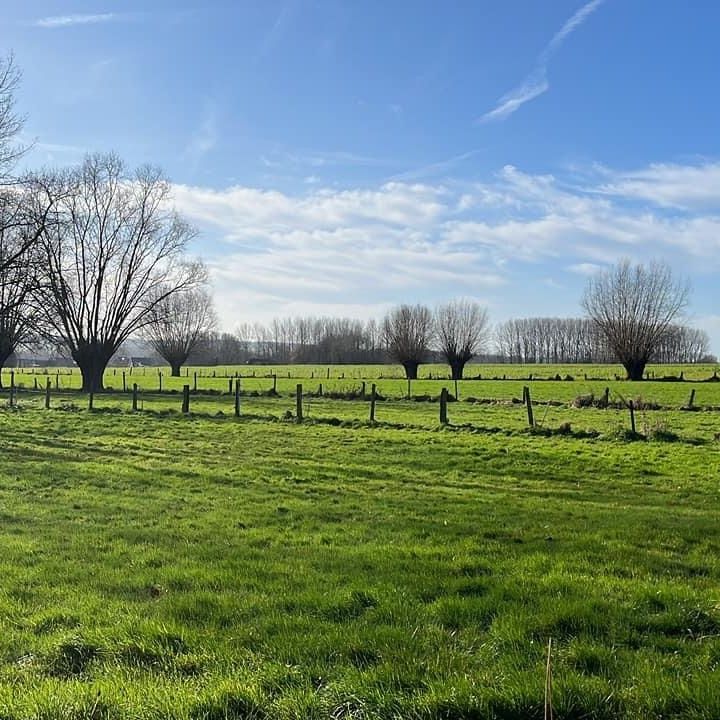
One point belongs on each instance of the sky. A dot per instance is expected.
(341, 157)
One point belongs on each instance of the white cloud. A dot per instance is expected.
(536, 83)
(401, 241)
(668, 185)
(585, 268)
(58, 21)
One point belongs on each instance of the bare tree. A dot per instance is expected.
(113, 252)
(10, 122)
(178, 324)
(633, 307)
(18, 280)
(461, 327)
(407, 333)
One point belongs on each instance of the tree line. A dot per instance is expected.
(580, 340)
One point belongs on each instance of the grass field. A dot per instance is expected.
(161, 566)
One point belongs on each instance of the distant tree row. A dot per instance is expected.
(580, 340)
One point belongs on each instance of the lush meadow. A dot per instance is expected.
(159, 565)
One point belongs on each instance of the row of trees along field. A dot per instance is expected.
(95, 255)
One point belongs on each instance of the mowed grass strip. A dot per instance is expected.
(201, 567)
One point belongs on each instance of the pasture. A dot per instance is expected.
(161, 565)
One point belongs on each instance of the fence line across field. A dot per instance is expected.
(301, 398)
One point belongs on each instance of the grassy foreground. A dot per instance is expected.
(168, 567)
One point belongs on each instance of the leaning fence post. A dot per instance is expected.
(298, 402)
(528, 405)
(443, 406)
(237, 397)
(691, 401)
(186, 399)
(373, 398)
(632, 416)
(48, 384)
(134, 397)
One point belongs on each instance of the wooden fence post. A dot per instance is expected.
(195, 381)
(48, 384)
(328, 374)
(237, 397)
(186, 399)
(134, 397)
(274, 382)
(159, 381)
(124, 382)
(443, 406)
(632, 416)
(230, 386)
(528, 405)
(91, 399)
(35, 382)
(607, 397)
(373, 398)
(12, 388)
(691, 401)
(362, 392)
(298, 402)
(409, 388)
(57, 380)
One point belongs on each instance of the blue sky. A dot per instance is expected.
(340, 157)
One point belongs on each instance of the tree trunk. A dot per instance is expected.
(5, 352)
(175, 369)
(411, 369)
(635, 369)
(92, 361)
(456, 369)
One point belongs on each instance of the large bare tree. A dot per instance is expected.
(113, 251)
(461, 327)
(407, 334)
(633, 306)
(178, 325)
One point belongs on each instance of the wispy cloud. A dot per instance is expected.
(320, 158)
(536, 83)
(274, 35)
(60, 21)
(206, 137)
(435, 168)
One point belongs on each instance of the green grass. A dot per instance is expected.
(158, 566)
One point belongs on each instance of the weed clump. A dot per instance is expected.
(72, 658)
